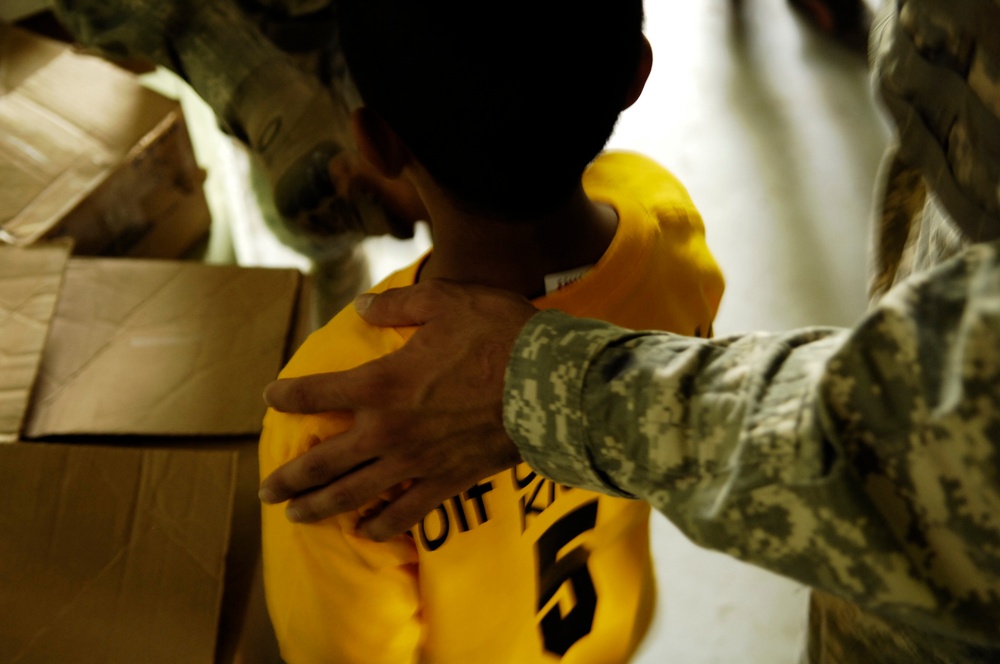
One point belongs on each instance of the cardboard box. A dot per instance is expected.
(129, 522)
(86, 152)
(102, 559)
(30, 282)
(115, 555)
(161, 348)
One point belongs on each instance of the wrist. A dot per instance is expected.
(543, 391)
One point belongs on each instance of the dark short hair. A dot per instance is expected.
(504, 102)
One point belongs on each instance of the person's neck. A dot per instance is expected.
(517, 255)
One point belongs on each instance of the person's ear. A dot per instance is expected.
(378, 143)
(641, 73)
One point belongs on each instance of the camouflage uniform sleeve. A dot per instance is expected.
(276, 104)
(860, 462)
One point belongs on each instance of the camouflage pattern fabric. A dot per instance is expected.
(937, 66)
(274, 74)
(865, 462)
(290, 107)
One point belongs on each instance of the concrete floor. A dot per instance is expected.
(774, 132)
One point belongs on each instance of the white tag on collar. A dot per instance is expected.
(557, 280)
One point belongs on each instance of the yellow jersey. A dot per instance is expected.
(516, 569)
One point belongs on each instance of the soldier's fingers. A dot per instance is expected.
(350, 492)
(405, 511)
(367, 385)
(412, 305)
(319, 393)
(321, 465)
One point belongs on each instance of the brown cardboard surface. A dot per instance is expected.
(181, 211)
(112, 555)
(245, 632)
(123, 555)
(151, 206)
(161, 348)
(86, 151)
(30, 280)
(22, 53)
(142, 546)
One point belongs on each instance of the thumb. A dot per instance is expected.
(402, 307)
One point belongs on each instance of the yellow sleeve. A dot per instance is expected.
(333, 597)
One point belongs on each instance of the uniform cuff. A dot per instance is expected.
(543, 396)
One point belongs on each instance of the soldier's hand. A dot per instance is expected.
(428, 418)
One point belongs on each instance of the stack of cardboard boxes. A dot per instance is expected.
(88, 153)
(130, 389)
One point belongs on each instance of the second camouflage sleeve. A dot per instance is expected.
(863, 462)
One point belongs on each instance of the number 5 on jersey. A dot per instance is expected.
(559, 631)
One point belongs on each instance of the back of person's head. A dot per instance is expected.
(504, 102)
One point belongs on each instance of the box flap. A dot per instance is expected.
(30, 279)
(66, 121)
(112, 555)
(161, 348)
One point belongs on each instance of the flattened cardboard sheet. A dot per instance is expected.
(30, 280)
(112, 555)
(86, 151)
(161, 348)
